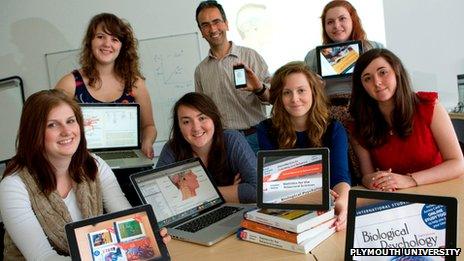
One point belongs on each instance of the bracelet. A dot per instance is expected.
(260, 92)
(413, 179)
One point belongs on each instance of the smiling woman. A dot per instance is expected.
(110, 72)
(197, 132)
(52, 180)
(403, 139)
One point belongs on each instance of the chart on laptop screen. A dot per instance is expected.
(110, 127)
(178, 193)
(293, 180)
(398, 224)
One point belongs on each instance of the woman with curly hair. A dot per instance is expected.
(110, 72)
(300, 119)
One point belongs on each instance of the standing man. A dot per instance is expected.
(241, 109)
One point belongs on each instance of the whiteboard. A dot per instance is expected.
(11, 100)
(168, 63)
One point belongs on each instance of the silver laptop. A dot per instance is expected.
(186, 201)
(112, 131)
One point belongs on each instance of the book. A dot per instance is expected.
(295, 221)
(304, 247)
(286, 235)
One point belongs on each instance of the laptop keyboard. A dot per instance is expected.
(117, 155)
(208, 219)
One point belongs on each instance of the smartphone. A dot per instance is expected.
(239, 76)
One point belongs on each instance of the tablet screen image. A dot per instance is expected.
(127, 237)
(387, 223)
(293, 180)
(338, 60)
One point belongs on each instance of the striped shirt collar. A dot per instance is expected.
(233, 51)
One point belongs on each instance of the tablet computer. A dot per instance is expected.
(131, 234)
(293, 179)
(379, 221)
(337, 60)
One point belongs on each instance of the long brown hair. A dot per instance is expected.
(30, 147)
(217, 156)
(318, 118)
(370, 125)
(358, 32)
(126, 66)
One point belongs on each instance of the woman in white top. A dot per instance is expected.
(53, 180)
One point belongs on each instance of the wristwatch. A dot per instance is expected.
(260, 92)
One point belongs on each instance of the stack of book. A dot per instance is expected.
(294, 230)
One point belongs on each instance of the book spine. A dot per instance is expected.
(255, 237)
(270, 221)
(318, 219)
(269, 231)
(296, 226)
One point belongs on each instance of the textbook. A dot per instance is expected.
(304, 247)
(295, 221)
(286, 235)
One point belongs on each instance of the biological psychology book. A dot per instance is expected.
(397, 224)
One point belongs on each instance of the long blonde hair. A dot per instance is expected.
(318, 118)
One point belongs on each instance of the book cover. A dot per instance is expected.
(284, 234)
(397, 224)
(295, 221)
(304, 247)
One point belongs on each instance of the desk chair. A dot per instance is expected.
(458, 123)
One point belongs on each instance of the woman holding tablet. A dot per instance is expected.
(300, 119)
(52, 180)
(340, 23)
(197, 132)
(110, 72)
(403, 139)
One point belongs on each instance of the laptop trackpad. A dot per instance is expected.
(232, 222)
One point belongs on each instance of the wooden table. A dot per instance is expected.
(331, 249)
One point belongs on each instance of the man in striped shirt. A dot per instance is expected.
(241, 109)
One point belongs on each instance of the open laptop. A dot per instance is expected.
(384, 220)
(294, 179)
(112, 131)
(131, 234)
(337, 60)
(186, 200)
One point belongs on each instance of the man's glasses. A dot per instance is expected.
(207, 25)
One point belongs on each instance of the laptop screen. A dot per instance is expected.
(111, 126)
(296, 178)
(124, 235)
(399, 222)
(177, 192)
(337, 60)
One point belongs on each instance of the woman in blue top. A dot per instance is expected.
(197, 132)
(300, 119)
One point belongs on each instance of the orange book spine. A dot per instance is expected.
(269, 231)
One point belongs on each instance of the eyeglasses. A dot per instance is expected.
(207, 25)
